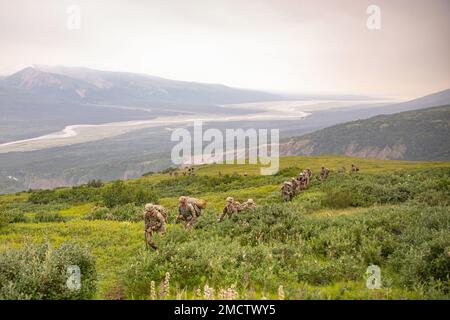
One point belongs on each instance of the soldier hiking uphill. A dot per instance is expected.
(308, 172)
(154, 221)
(324, 172)
(287, 191)
(247, 205)
(189, 210)
(302, 180)
(295, 186)
(230, 208)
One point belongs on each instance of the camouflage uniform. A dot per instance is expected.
(308, 172)
(154, 221)
(230, 208)
(164, 212)
(302, 181)
(354, 168)
(306, 178)
(187, 212)
(324, 173)
(249, 204)
(295, 186)
(286, 191)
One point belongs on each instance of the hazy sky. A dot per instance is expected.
(280, 45)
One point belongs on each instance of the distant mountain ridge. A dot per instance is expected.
(412, 135)
(106, 87)
(436, 99)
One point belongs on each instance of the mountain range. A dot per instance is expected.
(107, 87)
(422, 134)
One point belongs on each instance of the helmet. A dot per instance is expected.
(182, 199)
(230, 199)
(149, 206)
(250, 201)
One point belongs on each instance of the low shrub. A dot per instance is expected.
(126, 212)
(40, 271)
(95, 183)
(12, 215)
(74, 195)
(98, 213)
(49, 217)
(42, 196)
(338, 199)
(119, 193)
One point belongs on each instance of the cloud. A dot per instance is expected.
(314, 46)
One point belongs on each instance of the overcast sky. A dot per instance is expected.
(293, 46)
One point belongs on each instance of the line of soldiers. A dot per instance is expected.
(290, 189)
(188, 172)
(189, 209)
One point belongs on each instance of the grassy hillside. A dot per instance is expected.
(412, 135)
(393, 214)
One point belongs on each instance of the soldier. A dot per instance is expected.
(302, 180)
(309, 173)
(354, 168)
(154, 221)
(295, 186)
(249, 204)
(306, 178)
(286, 191)
(187, 212)
(229, 209)
(324, 173)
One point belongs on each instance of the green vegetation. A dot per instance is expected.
(118, 193)
(394, 214)
(411, 135)
(40, 272)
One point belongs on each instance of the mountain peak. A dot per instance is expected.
(31, 77)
